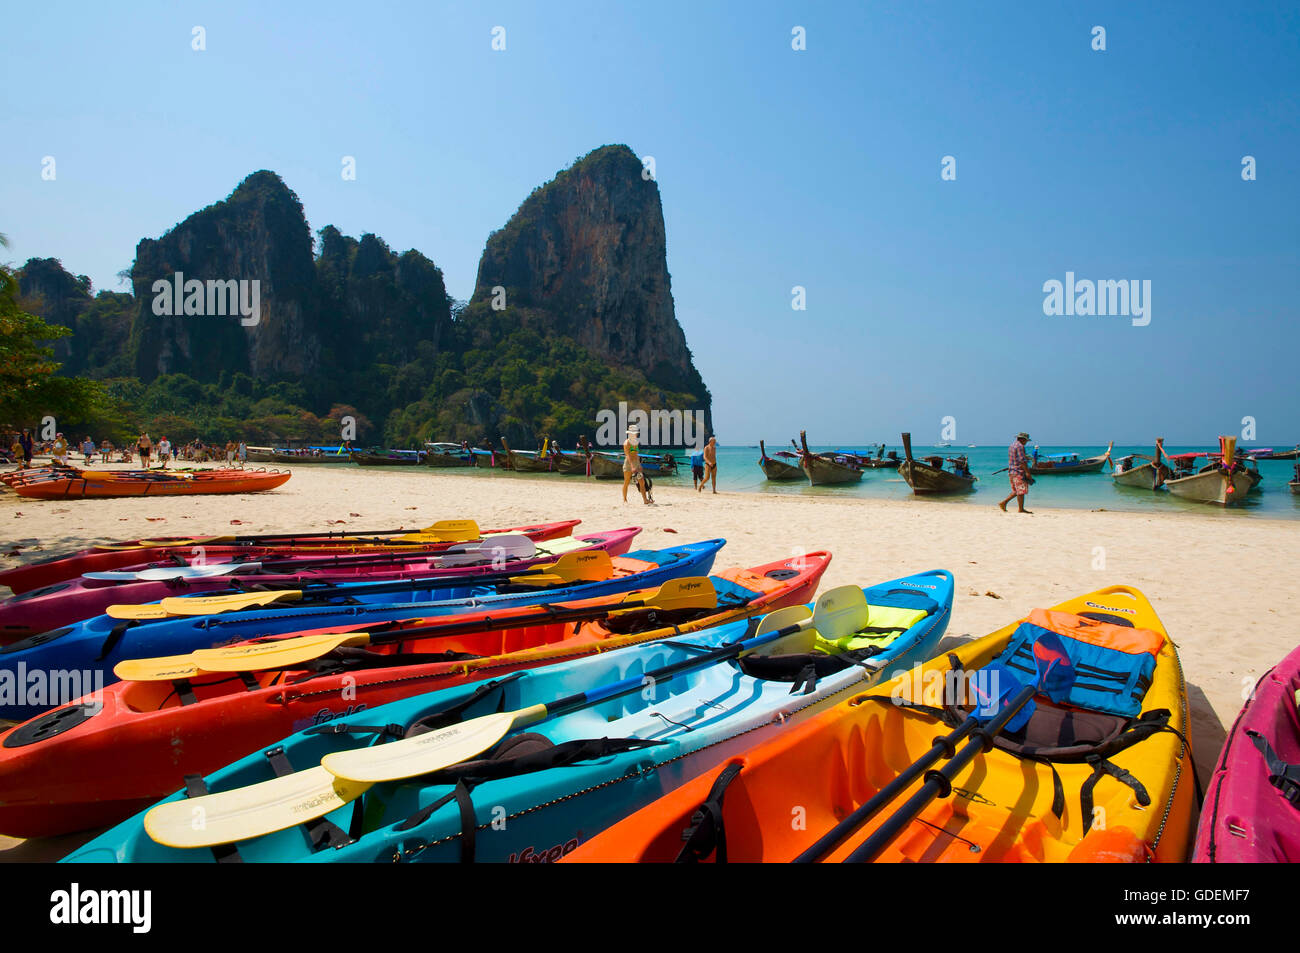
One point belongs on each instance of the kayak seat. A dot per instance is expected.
(828, 657)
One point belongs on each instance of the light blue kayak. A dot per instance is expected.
(539, 793)
(91, 648)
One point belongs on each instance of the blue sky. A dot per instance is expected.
(818, 168)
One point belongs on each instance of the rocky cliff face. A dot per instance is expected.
(45, 288)
(585, 256)
(257, 234)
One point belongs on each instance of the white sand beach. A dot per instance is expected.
(1223, 586)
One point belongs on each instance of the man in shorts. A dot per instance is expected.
(710, 464)
(1018, 472)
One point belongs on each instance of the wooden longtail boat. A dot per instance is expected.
(1286, 454)
(1216, 483)
(367, 458)
(1060, 464)
(825, 469)
(929, 476)
(775, 469)
(606, 466)
(288, 456)
(1150, 475)
(1295, 484)
(882, 462)
(526, 461)
(447, 455)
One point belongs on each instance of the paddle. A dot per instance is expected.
(284, 802)
(695, 592)
(593, 565)
(463, 554)
(1049, 656)
(443, 531)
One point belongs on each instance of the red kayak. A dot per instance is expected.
(83, 766)
(1251, 813)
(141, 552)
(63, 603)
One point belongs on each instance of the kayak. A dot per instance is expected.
(83, 655)
(638, 729)
(62, 603)
(144, 551)
(1252, 803)
(61, 771)
(1125, 780)
(106, 484)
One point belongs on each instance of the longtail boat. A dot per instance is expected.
(782, 465)
(825, 468)
(1226, 485)
(927, 476)
(1149, 475)
(1060, 464)
(526, 461)
(390, 458)
(447, 455)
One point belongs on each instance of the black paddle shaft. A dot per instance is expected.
(942, 748)
(938, 783)
(635, 683)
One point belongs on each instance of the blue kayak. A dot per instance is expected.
(90, 649)
(539, 793)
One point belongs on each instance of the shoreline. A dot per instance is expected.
(1204, 576)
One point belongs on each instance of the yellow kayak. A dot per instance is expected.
(1107, 780)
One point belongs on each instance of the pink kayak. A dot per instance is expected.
(1252, 806)
(63, 603)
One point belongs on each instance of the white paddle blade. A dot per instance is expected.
(421, 754)
(162, 573)
(782, 619)
(244, 813)
(841, 611)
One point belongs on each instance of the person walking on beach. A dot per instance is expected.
(710, 464)
(230, 453)
(16, 452)
(144, 447)
(164, 452)
(697, 467)
(632, 463)
(106, 451)
(242, 454)
(88, 450)
(26, 441)
(1018, 471)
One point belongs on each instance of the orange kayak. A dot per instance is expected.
(61, 484)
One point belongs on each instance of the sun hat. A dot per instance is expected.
(1022, 436)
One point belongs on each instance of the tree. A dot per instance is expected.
(29, 388)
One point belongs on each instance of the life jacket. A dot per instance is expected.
(1112, 664)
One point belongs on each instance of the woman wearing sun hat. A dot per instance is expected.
(632, 462)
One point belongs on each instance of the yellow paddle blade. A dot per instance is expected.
(151, 611)
(206, 605)
(444, 531)
(587, 566)
(153, 543)
(431, 751)
(690, 592)
(163, 669)
(282, 653)
(252, 811)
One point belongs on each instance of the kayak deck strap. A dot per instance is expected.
(195, 786)
(321, 832)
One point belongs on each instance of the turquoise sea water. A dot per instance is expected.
(738, 470)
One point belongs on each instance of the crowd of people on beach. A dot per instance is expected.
(21, 448)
